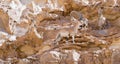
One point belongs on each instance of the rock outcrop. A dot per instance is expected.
(59, 31)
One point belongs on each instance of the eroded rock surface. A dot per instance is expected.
(59, 32)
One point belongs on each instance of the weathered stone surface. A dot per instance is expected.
(4, 22)
(59, 31)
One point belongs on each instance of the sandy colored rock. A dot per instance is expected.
(28, 50)
(60, 32)
(4, 22)
(22, 62)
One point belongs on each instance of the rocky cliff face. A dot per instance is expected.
(59, 31)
